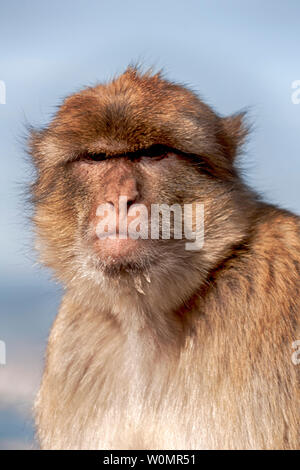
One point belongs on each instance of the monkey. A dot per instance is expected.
(157, 346)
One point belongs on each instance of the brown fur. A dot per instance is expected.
(172, 349)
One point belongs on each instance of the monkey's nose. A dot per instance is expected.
(127, 193)
(122, 202)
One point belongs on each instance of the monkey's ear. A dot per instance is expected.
(33, 143)
(235, 132)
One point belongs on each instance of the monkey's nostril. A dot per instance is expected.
(130, 202)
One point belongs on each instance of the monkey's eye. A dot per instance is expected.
(156, 152)
(96, 157)
(92, 157)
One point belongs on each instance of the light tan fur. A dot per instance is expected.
(185, 350)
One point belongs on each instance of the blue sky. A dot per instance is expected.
(235, 54)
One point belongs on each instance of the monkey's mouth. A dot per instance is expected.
(120, 259)
(121, 255)
(118, 248)
(124, 257)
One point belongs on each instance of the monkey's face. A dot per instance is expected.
(131, 208)
(128, 175)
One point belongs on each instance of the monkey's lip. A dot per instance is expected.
(117, 247)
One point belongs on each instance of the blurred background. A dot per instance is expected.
(234, 53)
